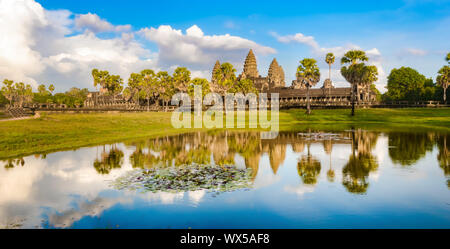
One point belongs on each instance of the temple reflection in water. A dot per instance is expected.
(63, 189)
(221, 148)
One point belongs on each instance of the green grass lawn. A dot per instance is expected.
(56, 132)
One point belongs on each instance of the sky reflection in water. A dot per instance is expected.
(358, 179)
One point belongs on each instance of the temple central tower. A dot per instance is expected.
(250, 66)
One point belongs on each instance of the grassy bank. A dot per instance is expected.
(3, 115)
(68, 131)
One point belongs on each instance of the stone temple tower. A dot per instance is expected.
(275, 76)
(250, 66)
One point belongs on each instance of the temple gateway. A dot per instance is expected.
(295, 95)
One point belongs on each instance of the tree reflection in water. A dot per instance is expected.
(361, 162)
(444, 155)
(309, 168)
(328, 148)
(407, 148)
(12, 163)
(221, 148)
(113, 159)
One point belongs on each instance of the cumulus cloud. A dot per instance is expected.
(61, 48)
(43, 47)
(95, 24)
(195, 49)
(19, 20)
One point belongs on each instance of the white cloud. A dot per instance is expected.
(373, 54)
(197, 50)
(414, 52)
(95, 24)
(18, 21)
(42, 47)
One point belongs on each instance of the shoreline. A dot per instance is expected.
(59, 132)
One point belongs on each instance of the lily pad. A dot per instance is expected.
(191, 177)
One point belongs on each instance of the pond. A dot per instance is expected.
(317, 179)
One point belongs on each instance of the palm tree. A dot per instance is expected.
(443, 79)
(165, 87)
(329, 59)
(308, 72)
(225, 78)
(370, 76)
(181, 79)
(354, 72)
(148, 85)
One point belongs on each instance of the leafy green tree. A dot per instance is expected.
(225, 77)
(443, 80)
(447, 58)
(165, 87)
(354, 72)
(430, 91)
(181, 79)
(42, 90)
(329, 59)
(134, 87)
(3, 100)
(405, 83)
(374, 89)
(100, 78)
(8, 90)
(114, 84)
(370, 76)
(309, 73)
(204, 83)
(149, 85)
(72, 98)
(23, 93)
(244, 86)
(354, 57)
(51, 88)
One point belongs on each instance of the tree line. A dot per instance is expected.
(404, 83)
(157, 88)
(19, 94)
(354, 70)
(408, 84)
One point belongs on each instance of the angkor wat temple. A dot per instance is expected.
(295, 95)
(292, 96)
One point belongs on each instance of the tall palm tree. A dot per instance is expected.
(443, 80)
(329, 59)
(308, 72)
(354, 72)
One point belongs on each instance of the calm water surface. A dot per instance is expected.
(354, 179)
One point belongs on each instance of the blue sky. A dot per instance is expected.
(393, 33)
